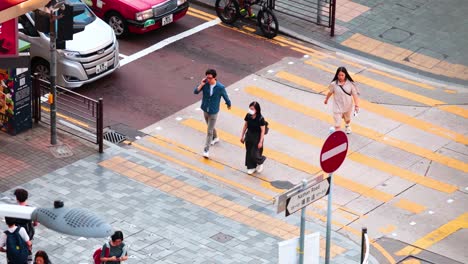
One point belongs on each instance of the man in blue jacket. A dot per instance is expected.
(212, 93)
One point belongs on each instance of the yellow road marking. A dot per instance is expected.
(360, 158)
(302, 47)
(420, 84)
(313, 55)
(461, 222)
(369, 133)
(450, 91)
(411, 261)
(297, 164)
(260, 194)
(249, 29)
(219, 205)
(410, 206)
(207, 173)
(189, 153)
(387, 229)
(198, 16)
(381, 110)
(71, 119)
(202, 13)
(395, 90)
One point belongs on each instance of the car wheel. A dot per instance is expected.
(42, 68)
(118, 24)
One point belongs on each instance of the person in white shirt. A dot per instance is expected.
(12, 228)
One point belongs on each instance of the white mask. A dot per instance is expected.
(252, 112)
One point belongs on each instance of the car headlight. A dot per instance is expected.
(180, 2)
(144, 15)
(68, 53)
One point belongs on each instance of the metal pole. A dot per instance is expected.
(100, 125)
(53, 76)
(363, 244)
(303, 222)
(319, 12)
(329, 220)
(332, 31)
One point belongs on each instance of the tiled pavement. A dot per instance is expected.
(27, 156)
(425, 37)
(167, 215)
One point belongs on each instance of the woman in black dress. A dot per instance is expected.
(252, 135)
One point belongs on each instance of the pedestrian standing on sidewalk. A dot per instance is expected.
(41, 257)
(114, 251)
(21, 198)
(15, 242)
(344, 93)
(212, 91)
(252, 136)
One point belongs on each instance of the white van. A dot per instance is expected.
(92, 54)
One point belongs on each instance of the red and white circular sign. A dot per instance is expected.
(334, 151)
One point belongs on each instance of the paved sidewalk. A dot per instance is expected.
(426, 37)
(27, 155)
(167, 215)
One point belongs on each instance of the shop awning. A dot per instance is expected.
(10, 9)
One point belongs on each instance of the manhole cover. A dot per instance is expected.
(61, 151)
(221, 237)
(114, 137)
(282, 184)
(396, 35)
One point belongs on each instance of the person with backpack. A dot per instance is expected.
(15, 242)
(253, 133)
(344, 93)
(112, 252)
(21, 198)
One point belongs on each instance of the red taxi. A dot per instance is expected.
(138, 16)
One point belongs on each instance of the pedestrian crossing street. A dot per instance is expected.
(405, 175)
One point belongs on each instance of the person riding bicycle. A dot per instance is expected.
(247, 8)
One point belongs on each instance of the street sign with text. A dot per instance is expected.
(281, 199)
(334, 151)
(307, 196)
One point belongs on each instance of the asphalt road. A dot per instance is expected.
(153, 87)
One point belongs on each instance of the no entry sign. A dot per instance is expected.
(334, 151)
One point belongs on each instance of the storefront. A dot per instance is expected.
(15, 77)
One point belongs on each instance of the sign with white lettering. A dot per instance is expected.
(307, 196)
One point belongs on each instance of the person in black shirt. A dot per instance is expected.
(253, 134)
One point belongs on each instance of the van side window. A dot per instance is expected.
(28, 26)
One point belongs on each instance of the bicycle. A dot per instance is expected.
(228, 11)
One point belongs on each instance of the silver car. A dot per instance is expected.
(92, 54)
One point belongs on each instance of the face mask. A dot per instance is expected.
(252, 112)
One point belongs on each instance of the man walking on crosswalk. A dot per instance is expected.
(212, 93)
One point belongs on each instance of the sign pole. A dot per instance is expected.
(303, 222)
(53, 76)
(329, 216)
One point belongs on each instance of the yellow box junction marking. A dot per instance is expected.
(355, 156)
(209, 201)
(369, 133)
(394, 90)
(410, 206)
(461, 222)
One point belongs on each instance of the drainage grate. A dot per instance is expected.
(221, 237)
(114, 137)
(61, 151)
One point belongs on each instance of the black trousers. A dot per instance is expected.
(253, 154)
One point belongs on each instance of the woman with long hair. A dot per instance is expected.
(344, 93)
(41, 257)
(252, 135)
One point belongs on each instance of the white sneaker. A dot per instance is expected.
(250, 171)
(214, 141)
(348, 130)
(206, 154)
(259, 168)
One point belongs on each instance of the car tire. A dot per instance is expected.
(42, 68)
(118, 24)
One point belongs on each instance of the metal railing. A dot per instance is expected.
(77, 114)
(320, 12)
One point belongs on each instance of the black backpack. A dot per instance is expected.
(16, 249)
(27, 225)
(266, 126)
